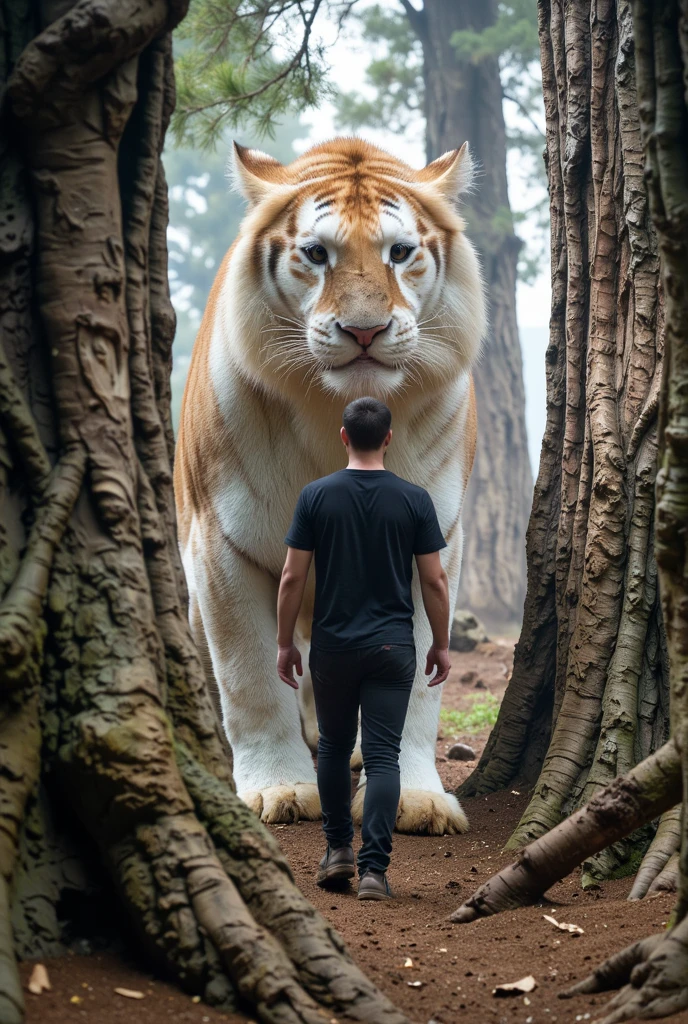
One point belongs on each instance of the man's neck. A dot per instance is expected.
(366, 460)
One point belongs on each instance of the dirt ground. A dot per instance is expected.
(457, 966)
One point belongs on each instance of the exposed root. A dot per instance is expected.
(19, 422)
(255, 864)
(616, 971)
(664, 845)
(629, 802)
(667, 879)
(20, 611)
(11, 996)
(654, 975)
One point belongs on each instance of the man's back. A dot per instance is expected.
(365, 526)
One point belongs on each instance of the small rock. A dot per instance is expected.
(130, 993)
(461, 752)
(447, 853)
(39, 980)
(467, 631)
(479, 685)
(512, 988)
(468, 677)
(453, 885)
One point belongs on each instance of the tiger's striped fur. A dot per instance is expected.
(271, 371)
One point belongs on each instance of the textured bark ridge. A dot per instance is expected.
(463, 100)
(113, 773)
(652, 975)
(588, 697)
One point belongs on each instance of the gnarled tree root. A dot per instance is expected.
(660, 853)
(667, 879)
(263, 879)
(653, 973)
(651, 788)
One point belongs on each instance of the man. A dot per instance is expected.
(365, 525)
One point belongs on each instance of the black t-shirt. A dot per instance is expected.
(365, 526)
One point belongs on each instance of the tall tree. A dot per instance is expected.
(113, 774)
(652, 974)
(456, 82)
(588, 697)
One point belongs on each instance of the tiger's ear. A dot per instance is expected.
(254, 174)
(451, 174)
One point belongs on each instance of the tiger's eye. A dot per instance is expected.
(316, 253)
(400, 252)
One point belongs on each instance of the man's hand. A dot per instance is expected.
(437, 658)
(288, 659)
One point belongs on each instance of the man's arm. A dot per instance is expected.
(435, 590)
(289, 598)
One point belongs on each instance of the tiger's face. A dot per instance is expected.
(370, 281)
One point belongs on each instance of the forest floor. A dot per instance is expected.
(437, 972)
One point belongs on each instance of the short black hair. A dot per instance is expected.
(367, 422)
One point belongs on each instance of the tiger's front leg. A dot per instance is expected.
(237, 600)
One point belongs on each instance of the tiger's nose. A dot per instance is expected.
(364, 336)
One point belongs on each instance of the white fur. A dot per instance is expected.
(291, 439)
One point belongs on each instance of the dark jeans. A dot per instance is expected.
(378, 679)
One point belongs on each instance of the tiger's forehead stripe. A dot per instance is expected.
(356, 199)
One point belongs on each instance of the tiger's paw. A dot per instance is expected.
(422, 812)
(284, 804)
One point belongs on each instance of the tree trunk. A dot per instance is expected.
(588, 697)
(464, 101)
(113, 775)
(653, 972)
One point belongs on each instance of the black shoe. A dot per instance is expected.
(373, 885)
(336, 868)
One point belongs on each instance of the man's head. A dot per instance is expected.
(366, 425)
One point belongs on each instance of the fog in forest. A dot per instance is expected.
(204, 213)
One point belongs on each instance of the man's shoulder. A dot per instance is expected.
(324, 482)
(413, 490)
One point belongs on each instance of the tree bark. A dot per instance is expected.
(463, 100)
(654, 971)
(590, 668)
(113, 773)
(649, 790)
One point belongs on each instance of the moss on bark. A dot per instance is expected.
(114, 772)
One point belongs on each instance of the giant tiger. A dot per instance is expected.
(344, 245)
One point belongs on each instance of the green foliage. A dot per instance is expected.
(482, 715)
(513, 38)
(395, 75)
(245, 62)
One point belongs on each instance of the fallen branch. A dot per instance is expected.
(651, 788)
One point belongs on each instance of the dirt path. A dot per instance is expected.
(457, 966)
